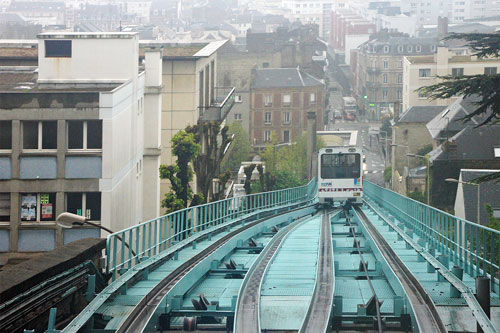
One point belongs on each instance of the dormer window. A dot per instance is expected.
(57, 49)
(410, 48)
(418, 48)
(386, 48)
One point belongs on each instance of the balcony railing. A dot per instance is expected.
(220, 107)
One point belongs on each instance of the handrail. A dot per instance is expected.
(474, 247)
(126, 248)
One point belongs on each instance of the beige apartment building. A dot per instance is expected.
(422, 71)
(189, 94)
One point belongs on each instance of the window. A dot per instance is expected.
(39, 135)
(286, 136)
(6, 135)
(400, 78)
(265, 65)
(58, 49)
(386, 64)
(400, 64)
(85, 134)
(38, 207)
(422, 95)
(433, 48)
(340, 166)
(267, 136)
(267, 118)
(286, 117)
(312, 98)
(237, 116)
(400, 48)
(400, 94)
(410, 48)
(385, 79)
(384, 94)
(374, 63)
(418, 48)
(424, 72)
(268, 100)
(386, 48)
(490, 70)
(4, 207)
(496, 212)
(238, 99)
(456, 72)
(88, 203)
(287, 100)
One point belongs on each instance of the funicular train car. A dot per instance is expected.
(340, 168)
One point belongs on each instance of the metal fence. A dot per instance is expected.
(128, 247)
(472, 246)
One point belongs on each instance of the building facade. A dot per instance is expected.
(281, 98)
(420, 71)
(81, 136)
(377, 72)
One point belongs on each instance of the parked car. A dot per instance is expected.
(349, 116)
(338, 114)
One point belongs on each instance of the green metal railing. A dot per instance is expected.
(474, 247)
(128, 247)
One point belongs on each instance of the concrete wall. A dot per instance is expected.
(119, 64)
(413, 135)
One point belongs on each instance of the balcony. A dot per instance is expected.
(220, 107)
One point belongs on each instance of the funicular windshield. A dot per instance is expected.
(340, 166)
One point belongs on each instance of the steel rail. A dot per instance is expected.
(144, 310)
(426, 314)
(319, 312)
(247, 313)
(467, 293)
(365, 269)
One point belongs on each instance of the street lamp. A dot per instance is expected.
(428, 175)
(407, 153)
(386, 149)
(478, 185)
(69, 220)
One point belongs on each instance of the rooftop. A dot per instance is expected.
(23, 79)
(87, 35)
(283, 78)
(420, 114)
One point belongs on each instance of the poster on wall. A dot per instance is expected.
(28, 207)
(47, 211)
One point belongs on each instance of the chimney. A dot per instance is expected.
(442, 28)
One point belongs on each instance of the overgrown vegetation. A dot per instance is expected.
(417, 195)
(240, 148)
(388, 174)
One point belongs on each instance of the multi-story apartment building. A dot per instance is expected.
(377, 71)
(422, 71)
(280, 101)
(81, 134)
(39, 12)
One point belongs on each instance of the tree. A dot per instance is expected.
(240, 147)
(248, 170)
(206, 164)
(388, 174)
(180, 173)
(422, 152)
(484, 87)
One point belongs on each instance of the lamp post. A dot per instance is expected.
(428, 175)
(452, 180)
(407, 152)
(69, 220)
(386, 149)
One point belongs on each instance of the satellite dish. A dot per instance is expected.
(65, 220)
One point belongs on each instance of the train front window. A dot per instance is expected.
(340, 166)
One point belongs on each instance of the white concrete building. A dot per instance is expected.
(83, 136)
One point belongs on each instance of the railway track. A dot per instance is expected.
(142, 313)
(317, 318)
(426, 314)
(247, 309)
